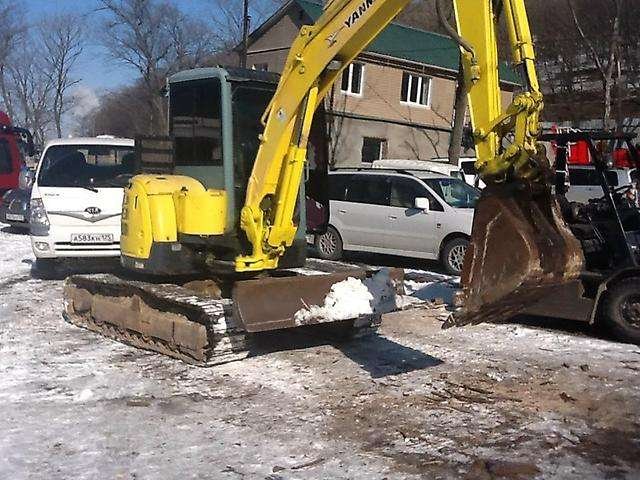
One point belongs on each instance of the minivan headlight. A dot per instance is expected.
(38, 214)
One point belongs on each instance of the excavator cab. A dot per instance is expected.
(214, 135)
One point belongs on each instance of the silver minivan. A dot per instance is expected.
(418, 214)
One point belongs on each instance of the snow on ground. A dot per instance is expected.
(493, 401)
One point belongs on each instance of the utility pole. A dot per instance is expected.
(245, 33)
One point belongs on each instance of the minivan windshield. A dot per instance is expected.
(455, 192)
(87, 166)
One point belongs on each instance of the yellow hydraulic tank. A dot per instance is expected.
(200, 211)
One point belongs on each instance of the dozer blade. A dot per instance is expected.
(271, 303)
(520, 250)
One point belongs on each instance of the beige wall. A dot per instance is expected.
(411, 131)
(403, 142)
(273, 46)
(381, 98)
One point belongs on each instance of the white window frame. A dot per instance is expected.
(350, 82)
(420, 79)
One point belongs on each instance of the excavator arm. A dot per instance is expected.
(316, 58)
(519, 240)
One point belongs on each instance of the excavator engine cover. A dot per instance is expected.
(520, 250)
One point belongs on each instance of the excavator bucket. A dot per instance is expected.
(520, 251)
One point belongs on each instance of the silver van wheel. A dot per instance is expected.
(453, 255)
(329, 244)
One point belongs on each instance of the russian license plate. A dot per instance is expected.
(91, 238)
(16, 217)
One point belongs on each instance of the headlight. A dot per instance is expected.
(38, 214)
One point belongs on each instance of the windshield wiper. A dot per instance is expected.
(91, 188)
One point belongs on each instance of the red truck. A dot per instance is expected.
(15, 142)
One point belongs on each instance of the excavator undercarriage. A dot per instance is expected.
(194, 322)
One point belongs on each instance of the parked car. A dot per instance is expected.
(14, 208)
(76, 200)
(417, 214)
(585, 184)
(14, 204)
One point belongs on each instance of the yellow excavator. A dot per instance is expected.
(232, 200)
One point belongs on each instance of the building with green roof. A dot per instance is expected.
(395, 101)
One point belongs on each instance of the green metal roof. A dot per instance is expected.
(413, 44)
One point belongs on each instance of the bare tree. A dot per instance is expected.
(194, 43)
(137, 34)
(12, 29)
(606, 57)
(62, 39)
(588, 59)
(155, 38)
(32, 87)
(122, 112)
(228, 19)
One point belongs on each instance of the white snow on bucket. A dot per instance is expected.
(352, 298)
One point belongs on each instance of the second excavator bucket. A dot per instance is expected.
(520, 250)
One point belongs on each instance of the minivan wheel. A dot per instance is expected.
(621, 310)
(452, 257)
(329, 244)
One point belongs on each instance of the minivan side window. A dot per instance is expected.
(370, 189)
(338, 186)
(404, 192)
(5, 158)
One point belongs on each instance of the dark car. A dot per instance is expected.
(14, 208)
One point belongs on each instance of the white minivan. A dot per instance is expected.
(418, 214)
(76, 200)
(585, 182)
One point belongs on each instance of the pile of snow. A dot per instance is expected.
(352, 298)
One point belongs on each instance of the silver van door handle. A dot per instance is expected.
(393, 217)
(342, 211)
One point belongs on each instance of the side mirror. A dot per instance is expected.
(422, 203)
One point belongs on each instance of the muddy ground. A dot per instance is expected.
(513, 401)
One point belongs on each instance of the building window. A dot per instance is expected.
(373, 149)
(261, 67)
(415, 90)
(352, 79)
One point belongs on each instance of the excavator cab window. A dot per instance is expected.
(249, 103)
(196, 126)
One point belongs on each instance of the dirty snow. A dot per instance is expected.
(514, 401)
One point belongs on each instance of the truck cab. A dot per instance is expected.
(11, 159)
